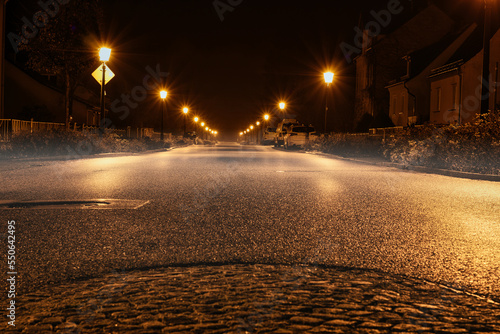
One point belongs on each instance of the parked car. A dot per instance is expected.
(268, 136)
(299, 135)
(281, 130)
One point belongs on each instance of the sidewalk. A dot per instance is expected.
(254, 299)
(383, 162)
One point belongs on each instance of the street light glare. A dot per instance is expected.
(196, 119)
(251, 127)
(266, 117)
(104, 54)
(329, 77)
(185, 110)
(282, 105)
(163, 94)
(258, 123)
(202, 124)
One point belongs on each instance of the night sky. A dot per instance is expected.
(231, 72)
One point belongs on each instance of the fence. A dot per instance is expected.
(10, 127)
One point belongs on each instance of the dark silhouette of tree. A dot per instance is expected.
(67, 45)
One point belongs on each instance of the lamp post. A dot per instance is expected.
(163, 95)
(185, 110)
(328, 80)
(282, 106)
(196, 120)
(485, 94)
(259, 129)
(104, 55)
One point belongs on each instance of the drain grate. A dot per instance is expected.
(75, 204)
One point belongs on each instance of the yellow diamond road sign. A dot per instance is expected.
(98, 75)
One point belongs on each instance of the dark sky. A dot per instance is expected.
(230, 72)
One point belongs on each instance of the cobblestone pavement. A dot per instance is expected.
(254, 299)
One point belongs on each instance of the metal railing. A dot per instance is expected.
(10, 127)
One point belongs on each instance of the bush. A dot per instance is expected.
(64, 143)
(472, 147)
(348, 145)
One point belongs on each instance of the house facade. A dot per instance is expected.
(382, 60)
(409, 95)
(455, 88)
(27, 98)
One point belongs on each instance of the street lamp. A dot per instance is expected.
(258, 132)
(185, 110)
(282, 106)
(163, 95)
(328, 80)
(196, 120)
(104, 55)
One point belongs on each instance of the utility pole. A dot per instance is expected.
(485, 94)
(2, 58)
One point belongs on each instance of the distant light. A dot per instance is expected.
(248, 130)
(206, 129)
(266, 117)
(163, 94)
(104, 54)
(202, 124)
(185, 110)
(196, 119)
(258, 123)
(329, 77)
(241, 133)
(282, 105)
(251, 127)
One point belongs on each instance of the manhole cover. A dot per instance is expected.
(74, 204)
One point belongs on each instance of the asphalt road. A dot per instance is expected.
(247, 204)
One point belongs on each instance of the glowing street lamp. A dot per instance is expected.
(328, 77)
(328, 80)
(185, 110)
(282, 106)
(104, 55)
(163, 96)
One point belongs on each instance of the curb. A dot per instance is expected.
(91, 156)
(420, 169)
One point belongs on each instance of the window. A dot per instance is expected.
(438, 99)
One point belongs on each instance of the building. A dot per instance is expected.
(409, 95)
(455, 87)
(383, 59)
(26, 98)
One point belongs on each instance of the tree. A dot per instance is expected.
(66, 44)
